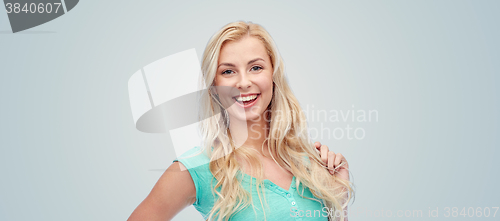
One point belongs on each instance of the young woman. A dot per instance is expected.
(257, 161)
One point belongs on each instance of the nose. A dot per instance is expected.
(244, 82)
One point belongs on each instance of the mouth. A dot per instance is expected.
(246, 100)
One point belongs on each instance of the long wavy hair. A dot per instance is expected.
(287, 137)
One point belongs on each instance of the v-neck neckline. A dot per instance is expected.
(269, 182)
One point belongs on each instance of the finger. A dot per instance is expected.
(317, 145)
(338, 160)
(331, 161)
(324, 153)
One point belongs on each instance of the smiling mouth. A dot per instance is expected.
(246, 99)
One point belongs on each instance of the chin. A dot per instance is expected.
(254, 114)
(253, 118)
(248, 115)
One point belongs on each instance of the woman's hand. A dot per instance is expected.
(337, 164)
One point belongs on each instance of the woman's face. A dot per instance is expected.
(244, 65)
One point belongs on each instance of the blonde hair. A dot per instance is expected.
(288, 140)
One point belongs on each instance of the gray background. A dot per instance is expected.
(70, 151)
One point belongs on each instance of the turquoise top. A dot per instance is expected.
(283, 204)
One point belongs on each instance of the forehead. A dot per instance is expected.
(243, 50)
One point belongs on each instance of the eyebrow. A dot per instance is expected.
(232, 65)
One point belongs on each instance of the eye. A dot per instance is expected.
(256, 68)
(226, 72)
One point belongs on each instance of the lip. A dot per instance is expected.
(245, 95)
(249, 104)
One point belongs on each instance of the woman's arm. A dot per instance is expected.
(173, 192)
(337, 165)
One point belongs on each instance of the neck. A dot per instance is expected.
(251, 133)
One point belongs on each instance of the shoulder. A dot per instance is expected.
(195, 157)
(196, 162)
(172, 192)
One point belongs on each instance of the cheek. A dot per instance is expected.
(217, 81)
(269, 85)
(267, 88)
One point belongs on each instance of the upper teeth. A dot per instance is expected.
(247, 98)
